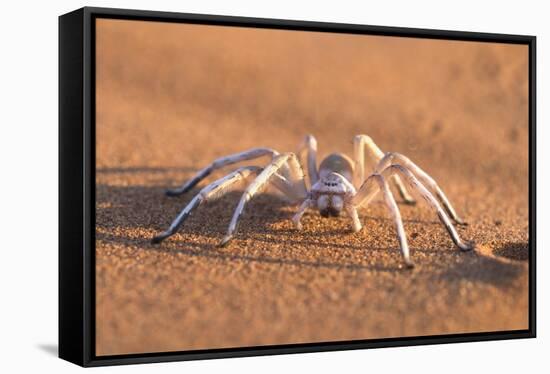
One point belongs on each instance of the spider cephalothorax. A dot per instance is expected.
(339, 184)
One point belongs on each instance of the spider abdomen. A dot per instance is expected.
(337, 163)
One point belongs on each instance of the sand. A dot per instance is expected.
(171, 98)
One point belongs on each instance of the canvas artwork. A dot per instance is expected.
(262, 187)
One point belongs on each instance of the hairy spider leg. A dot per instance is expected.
(360, 142)
(368, 191)
(397, 158)
(286, 160)
(309, 146)
(373, 184)
(213, 191)
(219, 163)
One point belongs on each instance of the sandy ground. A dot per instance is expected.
(171, 98)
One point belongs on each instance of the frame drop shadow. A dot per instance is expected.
(51, 349)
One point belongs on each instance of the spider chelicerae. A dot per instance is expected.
(338, 184)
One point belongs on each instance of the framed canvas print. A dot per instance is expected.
(237, 186)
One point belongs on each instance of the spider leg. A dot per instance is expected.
(360, 142)
(286, 160)
(310, 147)
(308, 203)
(352, 213)
(431, 200)
(293, 173)
(414, 183)
(372, 185)
(219, 163)
(397, 158)
(213, 191)
(291, 190)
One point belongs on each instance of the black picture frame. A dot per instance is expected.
(77, 184)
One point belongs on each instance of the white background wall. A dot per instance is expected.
(28, 184)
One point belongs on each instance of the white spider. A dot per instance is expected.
(339, 184)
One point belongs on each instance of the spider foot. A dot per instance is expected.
(408, 263)
(409, 201)
(466, 246)
(159, 238)
(225, 240)
(297, 224)
(175, 192)
(460, 221)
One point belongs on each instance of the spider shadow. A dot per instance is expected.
(516, 251)
(132, 214)
(140, 208)
(148, 208)
(488, 267)
(474, 266)
(267, 207)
